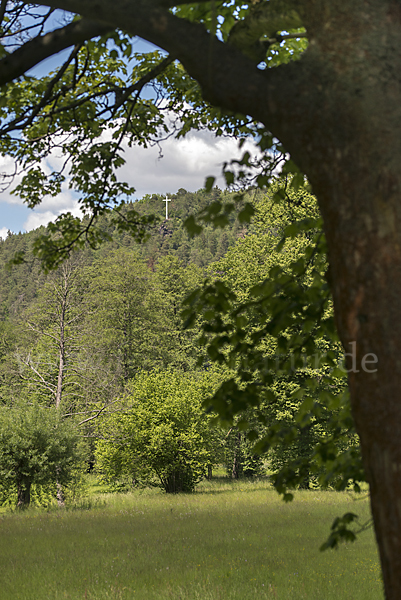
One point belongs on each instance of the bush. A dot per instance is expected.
(37, 450)
(161, 436)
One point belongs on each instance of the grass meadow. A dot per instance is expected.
(227, 541)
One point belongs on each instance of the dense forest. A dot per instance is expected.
(100, 343)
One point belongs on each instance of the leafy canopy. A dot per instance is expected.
(68, 129)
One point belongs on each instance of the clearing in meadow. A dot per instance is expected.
(227, 541)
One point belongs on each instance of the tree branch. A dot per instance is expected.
(284, 99)
(98, 412)
(264, 19)
(3, 7)
(50, 387)
(228, 79)
(33, 52)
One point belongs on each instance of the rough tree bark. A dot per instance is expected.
(337, 111)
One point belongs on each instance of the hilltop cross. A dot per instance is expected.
(167, 200)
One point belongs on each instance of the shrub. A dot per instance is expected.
(37, 448)
(161, 436)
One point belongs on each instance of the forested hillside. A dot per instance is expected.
(169, 238)
(101, 340)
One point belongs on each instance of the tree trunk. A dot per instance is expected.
(60, 496)
(236, 472)
(64, 291)
(348, 142)
(359, 191)
(24, 493)
(63, 295)
(365, 276)
(59, 493)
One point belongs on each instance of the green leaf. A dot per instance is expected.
(209, 183)
(192, 227)
(246, 214)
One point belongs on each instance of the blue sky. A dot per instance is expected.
(185, 164)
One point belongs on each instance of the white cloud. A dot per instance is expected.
(183, 163)
(7, 167)
(43, 217)
(3, 232)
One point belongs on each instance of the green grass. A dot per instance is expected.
(228, 541)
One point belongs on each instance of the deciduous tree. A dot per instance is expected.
(53, 326)
(159, 434)
(36, 447)
(128, 324)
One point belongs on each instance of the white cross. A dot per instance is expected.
(167, 200)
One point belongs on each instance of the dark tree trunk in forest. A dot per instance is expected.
(24, 493)
(237, 470)
(305, 445)
(63, 293)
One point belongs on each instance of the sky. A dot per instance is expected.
(183, 163)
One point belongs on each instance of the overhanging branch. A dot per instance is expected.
(33, 52)
(3, 7)
(228, 79)
(280, 98)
